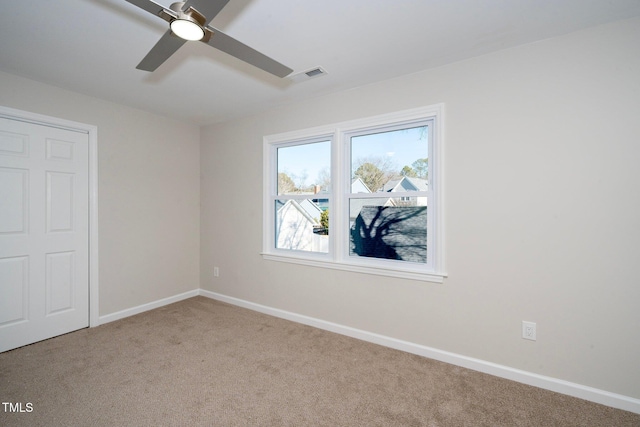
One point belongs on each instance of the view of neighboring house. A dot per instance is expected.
(358, 186)
(385, 227)
(296, 222)
(406, 184)
(356, 205)
(390, 232)
(395, 229)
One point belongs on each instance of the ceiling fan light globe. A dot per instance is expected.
(186, 29)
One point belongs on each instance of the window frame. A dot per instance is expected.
(339, 195)
(273, 192)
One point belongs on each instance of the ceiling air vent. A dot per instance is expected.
(314, 72)
(307, 75)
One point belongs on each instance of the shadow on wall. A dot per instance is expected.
(390, 232)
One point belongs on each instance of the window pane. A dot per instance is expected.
(300, 225)
(388, 228)
(393, 161)
(305, 168)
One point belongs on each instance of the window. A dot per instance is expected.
(363, 195)
(300, 202)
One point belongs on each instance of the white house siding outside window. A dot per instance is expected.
(363, 195)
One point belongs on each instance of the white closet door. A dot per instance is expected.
(44, 232)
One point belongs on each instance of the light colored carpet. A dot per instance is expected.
(203, 362)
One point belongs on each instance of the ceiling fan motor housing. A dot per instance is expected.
(191, 15)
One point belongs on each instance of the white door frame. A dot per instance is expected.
(92, 131)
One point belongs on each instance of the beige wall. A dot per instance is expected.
(542, 211)
(149, 191)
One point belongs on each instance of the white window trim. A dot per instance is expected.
(338, 258)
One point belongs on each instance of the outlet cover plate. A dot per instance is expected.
(529, 330)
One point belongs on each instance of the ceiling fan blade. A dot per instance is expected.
(233, 47)
(148, 5)
(208, 8)
(166, 46)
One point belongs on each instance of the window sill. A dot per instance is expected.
(398, 273)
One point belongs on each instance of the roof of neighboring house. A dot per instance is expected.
(358, 186)
(311, 208)
(405, 184)
(391, 233)
(356, 205)
(307, 208)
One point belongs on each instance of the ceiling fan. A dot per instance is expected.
(189, 20)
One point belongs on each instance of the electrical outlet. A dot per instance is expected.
(216, 272)
(529, 330)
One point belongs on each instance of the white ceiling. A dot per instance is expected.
(93, 46)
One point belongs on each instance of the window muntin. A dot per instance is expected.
(403, 216)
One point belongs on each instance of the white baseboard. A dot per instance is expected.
(548, 383)
(146, 307)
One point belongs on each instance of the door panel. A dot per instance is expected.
(14, 144)
(14, 193)
(60, 201)
(59, 280)
(14, 276)
(44, 232)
